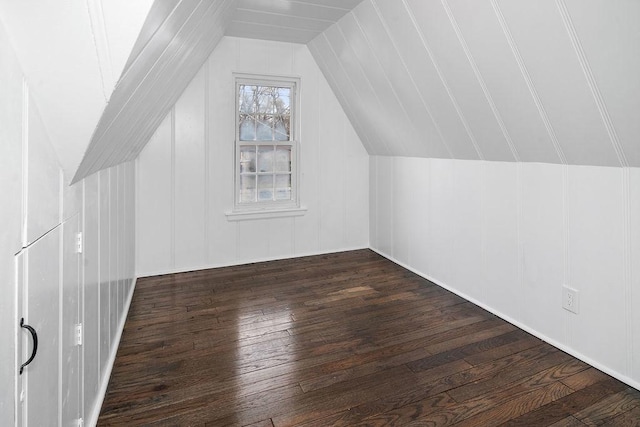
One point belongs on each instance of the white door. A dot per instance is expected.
(39, 283)
(48, 279)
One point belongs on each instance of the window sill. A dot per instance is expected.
(264, 214)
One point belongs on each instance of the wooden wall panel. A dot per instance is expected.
(91, 314)
(508, 236)
(155, 193)
(596, 263)
(11, 88)
(542, 241)
(331, 154)
(189, 178)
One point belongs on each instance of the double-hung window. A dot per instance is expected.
(266, 145)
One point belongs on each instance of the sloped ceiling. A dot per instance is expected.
(176, 39)
(72, 53)
(555, 81)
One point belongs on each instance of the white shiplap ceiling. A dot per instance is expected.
(176, 38)
(465, 79)
(295, 21)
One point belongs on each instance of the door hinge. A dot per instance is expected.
(79, 242)
(78, 339)
(80, 422)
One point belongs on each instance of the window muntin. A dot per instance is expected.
(265, 143)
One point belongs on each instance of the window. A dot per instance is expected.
(266, 145)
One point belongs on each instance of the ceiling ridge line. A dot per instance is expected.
(319, 5)
(413, 82)
(480, 79)
(591, 81)
(276, 26)
(284, 14)
(447, 88)
(527, 78)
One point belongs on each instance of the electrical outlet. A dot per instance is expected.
(570, 299)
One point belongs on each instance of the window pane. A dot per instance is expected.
(247, 188)
(263, 131)
(283, 101)
(264, 100)
(265, 159)
(283, 159)
(246, 101)
(247, 128)
(265, 188)
(248, 159)
(283, 187)
(281, 128)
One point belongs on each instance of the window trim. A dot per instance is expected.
(285, 207)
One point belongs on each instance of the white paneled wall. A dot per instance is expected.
(509, 235)
(35, 202)
(185, 173)
(11, 94)
(108, 274)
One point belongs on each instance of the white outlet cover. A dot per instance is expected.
(570, 299)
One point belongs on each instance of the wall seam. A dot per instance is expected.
(61, 306)
(456, 106)
(82, 302)
(529, 82)
(25, 162)
(591, 81)
(173, 187)
(520, 243)
(628, 270)
(207, 153)
(298, 184)
(566, 248)
(480, 79)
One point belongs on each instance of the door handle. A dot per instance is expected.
(34, 335)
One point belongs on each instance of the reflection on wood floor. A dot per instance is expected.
(340, 339)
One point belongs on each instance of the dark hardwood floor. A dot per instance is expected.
(340, 339)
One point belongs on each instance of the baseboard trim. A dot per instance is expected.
(559, 345)
(102, 392)
(247, 261)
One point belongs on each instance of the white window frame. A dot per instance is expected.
(260, 209)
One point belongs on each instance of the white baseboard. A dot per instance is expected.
(92, 420)
(559, 345)
(244, 261)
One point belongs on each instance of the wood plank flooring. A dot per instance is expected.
(335, 340)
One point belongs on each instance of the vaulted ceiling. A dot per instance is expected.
(553, 81)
